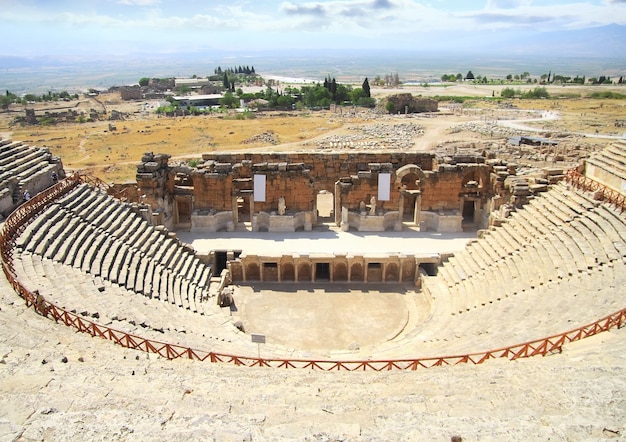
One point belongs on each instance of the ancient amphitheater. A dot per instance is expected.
(125, 332)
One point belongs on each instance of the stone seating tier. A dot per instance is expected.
(559, 235)
(117, 250)
(108, 304)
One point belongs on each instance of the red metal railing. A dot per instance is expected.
(18, 220)
(585, 183)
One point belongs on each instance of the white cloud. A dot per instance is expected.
(139, 2)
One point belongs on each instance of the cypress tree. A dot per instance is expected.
(366, 88)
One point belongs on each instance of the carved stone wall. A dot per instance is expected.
(398, 268)
(225, 183)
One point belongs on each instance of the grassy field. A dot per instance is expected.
(113, 155)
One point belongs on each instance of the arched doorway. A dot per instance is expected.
(408, 181)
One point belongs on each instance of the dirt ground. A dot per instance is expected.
(112, 155)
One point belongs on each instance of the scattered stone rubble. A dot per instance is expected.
(374, 136)
(489, 129)
(267, 137)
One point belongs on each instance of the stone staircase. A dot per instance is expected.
(106, 240)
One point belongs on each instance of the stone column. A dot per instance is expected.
(235, 210)
(418, 209)
(251, 206)
(398, 225)
(337, 201)
(477, 210)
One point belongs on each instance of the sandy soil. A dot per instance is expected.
(112, 155)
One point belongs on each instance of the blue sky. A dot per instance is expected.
(48, 27)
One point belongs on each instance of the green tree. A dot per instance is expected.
(144, 81)
(538, 92)
(229, 101)
(183, 89)
(366, 88)
(357, 94)
(507, 92)
(469, 75)
(285, 101)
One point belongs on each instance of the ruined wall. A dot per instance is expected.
(441, 190)
(220, 180)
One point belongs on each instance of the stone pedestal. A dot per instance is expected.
(308, 221)
(345, 225)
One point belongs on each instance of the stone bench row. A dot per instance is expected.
(118, 220)
(548, 240)
(543, 310)
(136, 256)
(25, 167)
(111, 305)
(9, 153)
(8, 144)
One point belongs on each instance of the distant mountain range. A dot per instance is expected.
(590, 52)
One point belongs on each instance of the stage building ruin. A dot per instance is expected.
(290, 192)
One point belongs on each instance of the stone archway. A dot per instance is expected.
(356, 272)
(287, 272)
(409, 179)
(304, 272)
(253, 272)
(409, 169)
(340, 272)
(392, 272)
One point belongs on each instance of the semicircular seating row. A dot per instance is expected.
(554, 265)
(89, 230)
(557, 264)
(93, 255)
(562, 234)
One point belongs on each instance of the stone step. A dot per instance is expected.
(614, 218)
(553, 211)
(99, 204)
(57, 234)
(118, 267)
(602, 240)
(80, 207)
(592, 250)
(20, 157)
(84, 244)
(99, 242)
(36, 169)
(107, 269)
(111, 223)
(610, 231)
(34, 232)
(97, 265)
(130, 228)
(133, 270)
(559, 193)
